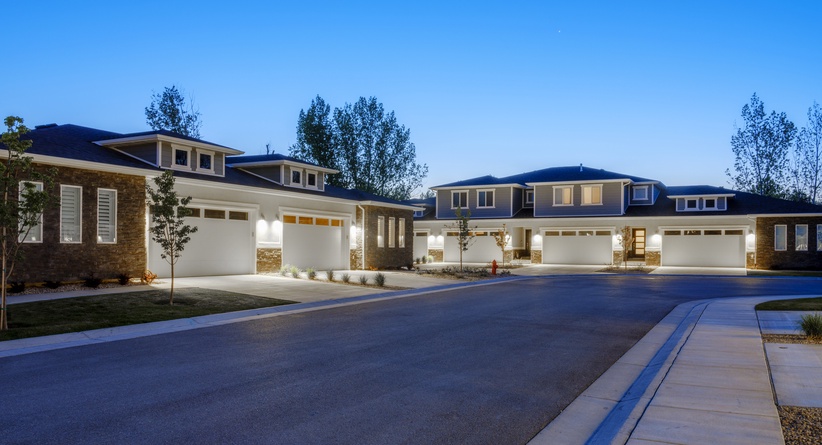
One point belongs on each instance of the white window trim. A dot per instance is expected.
(316, 179)
(776, 238)
(493, 198)
(291, 177)
(591, 186)
(796, 238)
(453, 192)
(527, 201)
(392, 232)
(561, 204)
(80, 216)
(114, 216)
(208, 153)
(705, 203)
(39, 187)
(174, 164)
(401, 232)
(643, 188)
(380, 231)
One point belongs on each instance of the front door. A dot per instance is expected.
(527, 241)
(638, 246)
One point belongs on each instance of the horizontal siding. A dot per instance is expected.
(146, 152)
(611, 201)
(272, 173)
(502, 203)
(518, 201)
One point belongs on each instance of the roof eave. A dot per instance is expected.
(131, 140)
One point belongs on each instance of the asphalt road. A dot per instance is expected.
(489, 364)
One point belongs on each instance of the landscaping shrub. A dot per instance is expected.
(363, 280)
(123, 279)
(285, 269)
(330, 275)
(430, 259)
(811, 325)
(148, 277)
(379, 279)
(52, 284)
(92, 282)
(346, 278)
(16, 287)
(311, 273)
(295, 271)
(424, 259)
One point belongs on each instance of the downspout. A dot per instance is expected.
(363, 235)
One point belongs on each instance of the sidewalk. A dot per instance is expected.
(700, 376)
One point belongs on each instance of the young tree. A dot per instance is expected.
(26, 195)
(372, 151)
(761, 151)
(168, 227)
(626, 240)
(502, 238)
(808, 156)
(168, 111)
(465, 233)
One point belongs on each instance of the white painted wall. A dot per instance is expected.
(576, 250)
(703, 251)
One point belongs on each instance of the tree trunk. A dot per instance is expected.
(4, 322)
(171, 294)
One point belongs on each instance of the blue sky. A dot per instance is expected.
(650, 89)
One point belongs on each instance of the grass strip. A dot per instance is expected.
(797, 304)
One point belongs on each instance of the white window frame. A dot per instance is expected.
(777, 237)
(79, 209)
(484, 203)
(562, 202)
(308, 174)
(391, 232)
(695, 207)
(705, 203)
(380, 231)
(455, 192)
(205, 153)
(401, 232)
(801, 243)
(644, 190)
(174, 164)
(419, 213)
(300, 172)
(591, 187)
(35, 234)
(113, 216)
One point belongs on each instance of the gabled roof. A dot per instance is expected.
(271, 160)
(699, 190)
(546, 175)
(164, 135)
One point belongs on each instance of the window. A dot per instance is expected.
(296, 177)
(418, 213)
(780, 237)
(402, 232)
(529, 196)
(591, 194)
(311, 179)
(712, 232)
(391, 234)
(305, 220)
(71, 201)
(710, 204)
(690, 204)
(205, 162)
(214, 214)
(485, 198)
(459, 200)
(238, 216)
(181, 157)
(641, 193)
(672, 232)
(380, 231)
(692, 232)
(289, 219)
(734, 232)
(106, 216)
(35, 233)
(819, 237)
(193, 212)
(563, 196)
(322, 222)
(802, 237)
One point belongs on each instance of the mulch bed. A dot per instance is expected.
(787, 338)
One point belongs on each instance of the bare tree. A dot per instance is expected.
(465, 234)
(502, 238)
(626, 240)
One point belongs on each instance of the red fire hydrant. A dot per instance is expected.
(494, 267)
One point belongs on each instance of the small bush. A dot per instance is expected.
(379, 279)
(346, 278)
(123, 279)
(16, 287)
(417, 260)
(311, 273)
(330, 275)
(52, 284)
(295, 271)
(811, 325)
(285, 269)
(430, 259)
(148, 277)
(424, 259)
(92, 282)
(363, 280)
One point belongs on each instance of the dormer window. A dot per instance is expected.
(702, 203)
(296, 177)
(181, 157)
(529, 197)
(690, 204)
(710, 204)
(641, 193)
(205, 162)
(311, 179)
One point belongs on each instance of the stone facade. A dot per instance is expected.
(767, 257)
(269, 260)
(536, 256)
(653, 258)
(617, 257)
(750, 260)
(56, 261)
(388, 257)
(436, 255)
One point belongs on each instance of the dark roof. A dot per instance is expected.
(170, 134)
(552, 174)
(246, 159)
(427, 202)
(687, 190)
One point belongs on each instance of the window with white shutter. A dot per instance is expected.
(71, 201)
(35, 233)
(106, 216)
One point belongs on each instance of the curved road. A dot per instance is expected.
(484, 364)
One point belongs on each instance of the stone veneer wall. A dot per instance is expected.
(269, 259)
(617, 257)
(769, 258)
(388, 257)
(56, 261)
(436, 254)
(750, 260)
(653, 258)
(536, 256)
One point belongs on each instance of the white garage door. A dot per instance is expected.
(420, 244)
(577, 247)
(223, 245)
(315, 242)
(703, 248)
(482, 248)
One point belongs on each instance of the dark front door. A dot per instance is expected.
(638, 246)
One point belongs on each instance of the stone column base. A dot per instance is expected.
(653, 258)
(269, 260)
(436, 254)
(750, 260)
(536, 256)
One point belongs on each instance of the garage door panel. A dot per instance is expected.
(483, 249)
(318, 247)
(577, 250)
(703, 251)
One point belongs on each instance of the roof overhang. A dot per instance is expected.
(280, 162)
(481, 186)
(587, 181)
(148, 138)
(702, 195)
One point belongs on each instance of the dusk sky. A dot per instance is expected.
(650, 89)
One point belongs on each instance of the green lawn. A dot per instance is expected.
(105, 311)
(798, 304)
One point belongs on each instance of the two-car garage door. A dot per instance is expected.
(572, 246)
(707, 247)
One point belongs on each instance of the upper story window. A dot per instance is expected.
(418, 213)
(563, 195)
(701, 203)
(311, 179)
(710, 204)
(690, 204)
(485, 198)
(592, 194)
(459, 200)
(529, 196)
(296, 177)
(205, 162)
(641, 193)
(181, 157)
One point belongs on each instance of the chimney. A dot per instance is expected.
(580, 167)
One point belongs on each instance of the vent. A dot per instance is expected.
(40, 127)
(580, 168)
